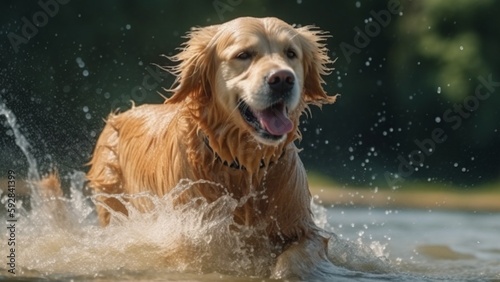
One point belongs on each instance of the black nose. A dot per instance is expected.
(281, 81)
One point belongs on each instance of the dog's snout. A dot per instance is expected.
(281, 81)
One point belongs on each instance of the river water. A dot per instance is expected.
(372, 244)
(430, 244)
(59, 239)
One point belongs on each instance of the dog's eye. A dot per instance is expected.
(244, 55)
(290, 53)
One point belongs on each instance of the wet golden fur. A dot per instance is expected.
(198, 132)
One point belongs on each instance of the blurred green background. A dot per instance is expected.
(407, 72)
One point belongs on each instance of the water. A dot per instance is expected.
(59, 238)
(435, 244)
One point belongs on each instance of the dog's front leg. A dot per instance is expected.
(305, 259)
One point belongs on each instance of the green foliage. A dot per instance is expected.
(447, 38)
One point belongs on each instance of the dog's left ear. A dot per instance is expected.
(315, 61)
(195, 66)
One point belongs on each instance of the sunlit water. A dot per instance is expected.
(60, 239)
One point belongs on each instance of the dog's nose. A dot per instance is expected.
(281, 81)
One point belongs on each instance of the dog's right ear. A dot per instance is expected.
(316, 61)
(195, 66)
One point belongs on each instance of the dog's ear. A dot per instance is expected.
(195, 66)
(315, 61)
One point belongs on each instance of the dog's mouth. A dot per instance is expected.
(271, 123)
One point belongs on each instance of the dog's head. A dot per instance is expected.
(260, 74)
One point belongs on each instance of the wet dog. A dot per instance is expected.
(232, 119)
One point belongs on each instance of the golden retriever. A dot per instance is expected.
(233, 117)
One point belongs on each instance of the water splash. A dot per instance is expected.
(22, 143)
(198, 237)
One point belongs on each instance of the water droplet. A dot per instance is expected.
(439, 90)
(80, 62)
(461, 48)
(358, 4)
(437, 119)
(127, 27)
(455, 164)
(85, 73)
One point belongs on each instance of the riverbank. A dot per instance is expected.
(437, 198)
(474, 201)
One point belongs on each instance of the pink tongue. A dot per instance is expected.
(275, 120)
